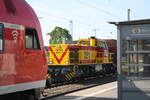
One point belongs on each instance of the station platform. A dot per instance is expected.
(103, 92)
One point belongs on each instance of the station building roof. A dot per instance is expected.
(133, 22)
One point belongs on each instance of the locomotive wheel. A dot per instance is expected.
(48, 79)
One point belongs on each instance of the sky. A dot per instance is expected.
(87, 16)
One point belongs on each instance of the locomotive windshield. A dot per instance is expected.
(1, 37)
(32, 41)
(102, 44)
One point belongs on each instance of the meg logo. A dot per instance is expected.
(15, 34)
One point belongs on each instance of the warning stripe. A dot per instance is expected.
(69, 76)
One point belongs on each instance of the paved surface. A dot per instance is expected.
(103, 92)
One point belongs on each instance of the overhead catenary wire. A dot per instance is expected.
(98, 9)
(56, 16)
(64, 18)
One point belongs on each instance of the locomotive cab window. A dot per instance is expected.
(32, 41)
(73, 56)
(101, 44)
(1, 38)
(85, 42)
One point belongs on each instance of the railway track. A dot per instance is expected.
(71, 87)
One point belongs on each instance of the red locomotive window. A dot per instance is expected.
(32, 41)
(1, 38)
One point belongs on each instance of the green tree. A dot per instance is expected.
(58, 35)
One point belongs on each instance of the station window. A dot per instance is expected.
(1, 38)
(32, 41)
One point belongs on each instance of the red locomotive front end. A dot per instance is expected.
(22, 58)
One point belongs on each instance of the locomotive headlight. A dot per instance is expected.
(50, 62)
(67, 62)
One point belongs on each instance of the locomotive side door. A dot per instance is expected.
(33, 55)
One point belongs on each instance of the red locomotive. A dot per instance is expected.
(23, 66)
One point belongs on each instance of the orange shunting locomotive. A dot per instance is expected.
(86, 57)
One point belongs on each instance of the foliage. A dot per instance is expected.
(58, 35)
